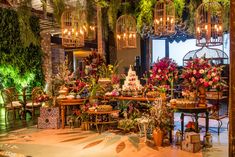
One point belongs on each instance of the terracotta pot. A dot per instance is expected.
(158, 137)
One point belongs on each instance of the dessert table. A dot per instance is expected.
(196, 111)
(68, 102)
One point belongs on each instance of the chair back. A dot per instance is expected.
(36, 92)
(14, 93)
(7, 97)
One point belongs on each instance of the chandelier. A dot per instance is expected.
(72, 28)
(164, 18)
(209, 29)
(126, 32)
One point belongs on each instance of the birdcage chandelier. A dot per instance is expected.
(209, 24)
(73, 28)
(126, 32)
(164, 18)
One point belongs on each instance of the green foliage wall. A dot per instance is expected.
(20, 63)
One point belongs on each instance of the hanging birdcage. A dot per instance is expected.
(209, 26)
(164, 18)
(72, 29)
(126, 32)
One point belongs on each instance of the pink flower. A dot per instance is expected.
(206, 84)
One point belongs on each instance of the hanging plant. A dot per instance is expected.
(58, 7)
(145, 13)
(179, 7)
(114, 6)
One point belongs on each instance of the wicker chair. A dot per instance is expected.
(32, 105)
(10, 103)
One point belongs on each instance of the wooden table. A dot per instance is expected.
(137, 98)
(196, 111)
(68, 102)
(100, 113)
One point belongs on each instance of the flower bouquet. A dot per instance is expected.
(190, 127)
(199, 72)
(163, 70)
(200, 75)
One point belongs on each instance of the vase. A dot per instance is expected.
(85, 126)
(158, 137)
(202, 96)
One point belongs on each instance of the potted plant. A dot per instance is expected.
(162, 116)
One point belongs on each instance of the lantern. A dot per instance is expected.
(209, 28)
(126, 32)
(72, 29)
(164, 18)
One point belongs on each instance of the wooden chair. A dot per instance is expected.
(10, 104)
(32, 105)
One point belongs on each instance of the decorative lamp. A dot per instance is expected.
(72, 30)
(126, 32)
(209, 27)
(164, 18)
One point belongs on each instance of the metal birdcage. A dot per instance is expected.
(209, 24)
(126, 32)
(72, 28)
(215, 56)
(164, 18)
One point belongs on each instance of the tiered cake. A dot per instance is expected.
(132, 84)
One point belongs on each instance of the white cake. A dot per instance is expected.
(132, 83)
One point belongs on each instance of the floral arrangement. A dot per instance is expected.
(42, 98)
(190, 126)
(79, 86)
(126, 124)
(115, 79)
(93, 62)
(199, 72)
(163, 70)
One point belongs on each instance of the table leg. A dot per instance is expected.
(62, 116)
(96, 123)
(182, 123)
(207, 121)
(196, 122)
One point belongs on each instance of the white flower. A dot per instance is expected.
(213, 74)
(159, 70)
(201, 71)
(194, 71)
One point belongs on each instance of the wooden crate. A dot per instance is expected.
(191, 147)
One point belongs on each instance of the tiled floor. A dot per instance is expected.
(30, 141)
